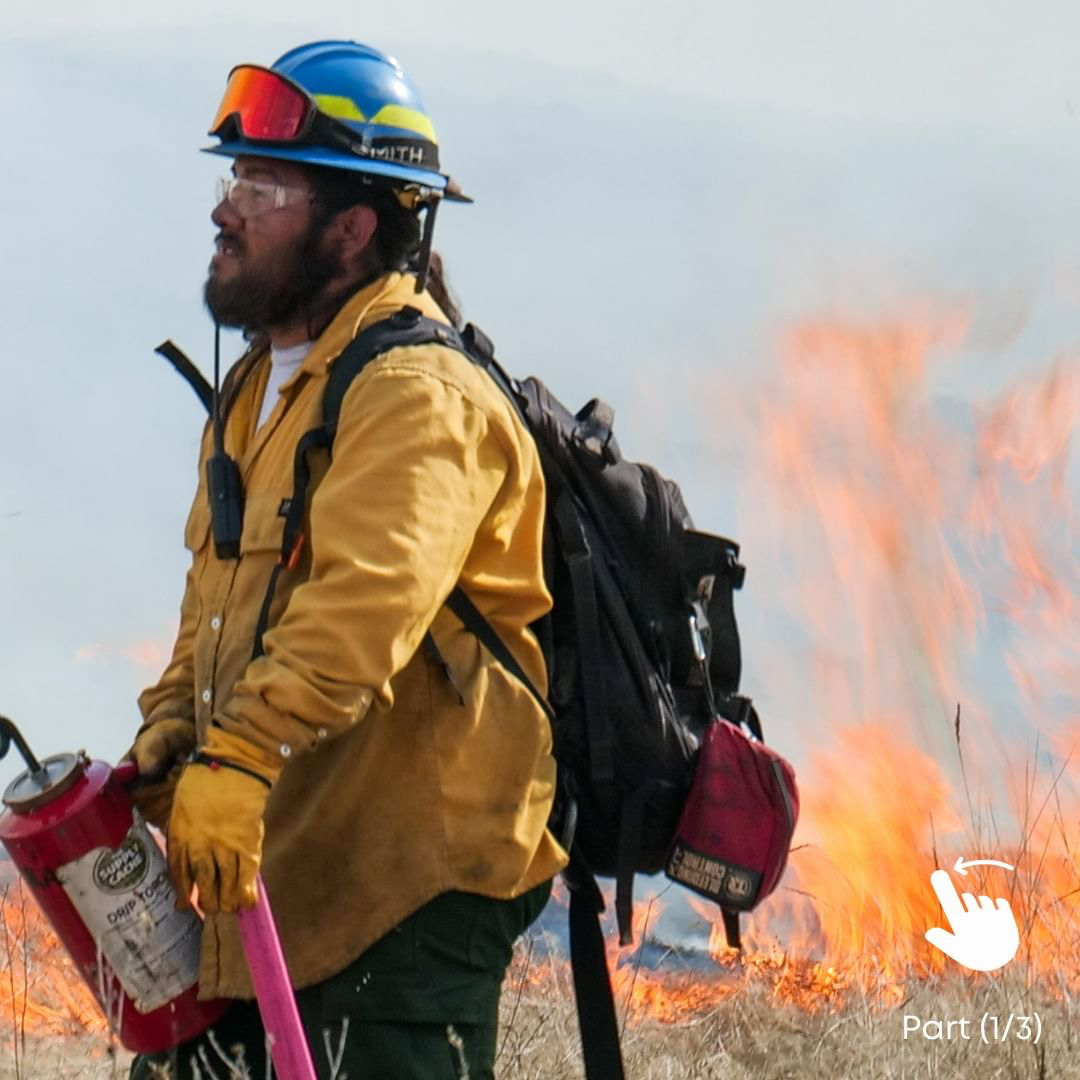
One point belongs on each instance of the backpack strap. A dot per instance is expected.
(292, 535)
(597, 1022)
(197, 380)
(731, 928)
(473, 620)
(579, 564)
(407, 327)
(188, 371)
(631, 825)
(574, 548)
(592, 982)
(404, 328)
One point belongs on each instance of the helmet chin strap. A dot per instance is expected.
(423, 262)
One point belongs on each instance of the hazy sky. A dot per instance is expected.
(996, 65)
(658, 197)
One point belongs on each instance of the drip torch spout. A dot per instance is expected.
(10, 733)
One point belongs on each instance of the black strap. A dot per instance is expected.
(631, 824)
(575, 550)
(475, 623)
(714, 559)
(190, 373)
(440, 661)
(406, 327)
(263, 621)
(291, 533)
(574, 547)
(592, 981)
(234, 379)
(740, 711)
(481, 351)
(199, 758)
(731, 928)
(423, 258)
(317, 438)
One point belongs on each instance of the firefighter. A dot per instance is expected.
(386, 776)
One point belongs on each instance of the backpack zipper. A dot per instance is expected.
(781, 783)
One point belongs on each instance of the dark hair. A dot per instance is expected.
(397, 234)
(439, 288)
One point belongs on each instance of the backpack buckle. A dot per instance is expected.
(407, 317)
(697, 640)
(478, 344)
(593, 431)
(735, 570)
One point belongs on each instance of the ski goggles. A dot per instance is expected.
(263, 106)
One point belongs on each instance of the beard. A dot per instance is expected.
(276, 293)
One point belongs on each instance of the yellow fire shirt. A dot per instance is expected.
(393, 790)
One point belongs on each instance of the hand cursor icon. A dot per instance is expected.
(984, 933)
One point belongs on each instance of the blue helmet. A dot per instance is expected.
(362, 113)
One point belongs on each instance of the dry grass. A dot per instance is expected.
(773, 1017)
(749, 1035)
(78, 1057)
(745, 1033)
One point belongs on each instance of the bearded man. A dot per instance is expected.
(395, 798)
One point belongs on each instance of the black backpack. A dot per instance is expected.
(641, 645)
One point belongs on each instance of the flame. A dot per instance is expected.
(916, 545)
(41, 992)
(151, 654)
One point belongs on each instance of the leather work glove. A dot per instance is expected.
(160, 751)
(216, 826)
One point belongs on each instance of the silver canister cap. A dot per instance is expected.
(33, 789)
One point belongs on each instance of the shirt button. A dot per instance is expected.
(206, 696)
(215, 623)
(286, 749)
(321, 733)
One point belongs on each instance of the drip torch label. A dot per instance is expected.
(127, 902)
(120, 870)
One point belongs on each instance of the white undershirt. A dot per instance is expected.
(283, 362)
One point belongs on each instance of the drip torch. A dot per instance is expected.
(102, 882)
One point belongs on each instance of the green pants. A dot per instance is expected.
(421, 1004)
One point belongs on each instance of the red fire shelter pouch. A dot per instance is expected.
(732, 841)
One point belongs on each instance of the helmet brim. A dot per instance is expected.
(442, 185)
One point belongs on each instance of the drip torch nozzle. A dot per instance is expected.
(8, 733)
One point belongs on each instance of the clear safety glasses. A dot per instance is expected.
(250, 198)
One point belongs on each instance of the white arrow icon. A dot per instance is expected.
(960, 866)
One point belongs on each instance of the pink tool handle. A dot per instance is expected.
(277, 1006)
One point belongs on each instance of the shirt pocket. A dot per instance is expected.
(197, 528)
(264, 524)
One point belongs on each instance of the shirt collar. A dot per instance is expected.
(375, 301)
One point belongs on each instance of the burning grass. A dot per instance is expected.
(751, 1032)
(40, 990)
(768, 1019)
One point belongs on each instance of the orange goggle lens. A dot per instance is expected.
(264, 104)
